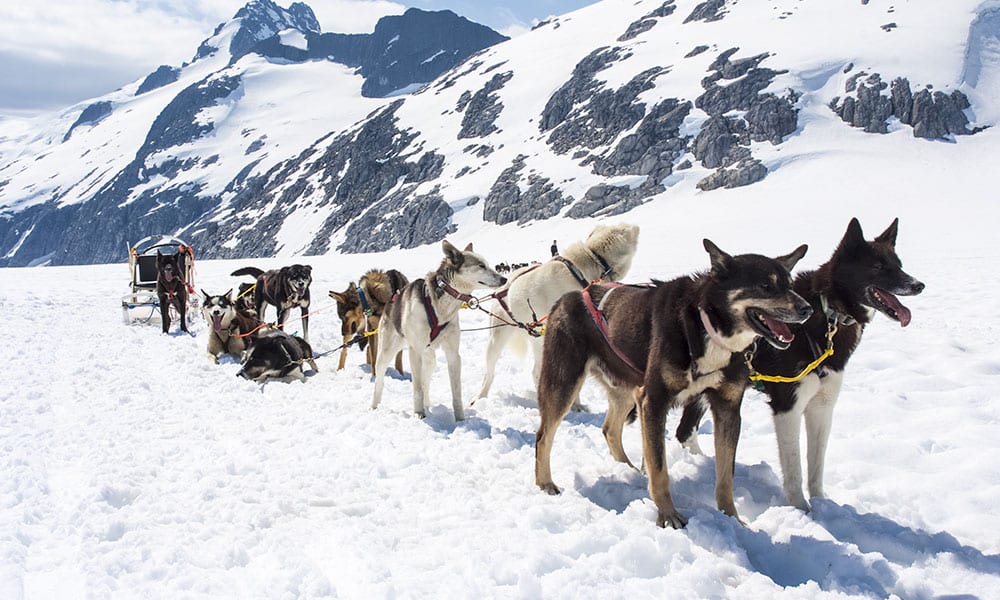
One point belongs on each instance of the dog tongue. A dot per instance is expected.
(168, 275)
(779, 329)
(902, 313)
(216, 322)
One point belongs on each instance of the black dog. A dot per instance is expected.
(860, 278)
(277, 354)
(171, 288)
(284, 288)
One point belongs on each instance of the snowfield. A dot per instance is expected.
(134, 467)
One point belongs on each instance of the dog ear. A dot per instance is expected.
(337, 296)
(229, 294)
(889, 235)
(720, 260)
(453, 254)
(788, 261)
(206, 294)
(468, 247)
(853, 237)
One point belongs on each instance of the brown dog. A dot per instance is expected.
(377, 287)
(664, 345)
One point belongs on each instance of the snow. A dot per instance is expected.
(135, 467)
(131, 466)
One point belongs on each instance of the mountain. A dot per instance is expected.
(162, 152)
(589, 115)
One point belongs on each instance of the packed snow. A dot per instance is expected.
(134, 467)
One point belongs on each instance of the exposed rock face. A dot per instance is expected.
(744, 173)
(608, 200)
(483, 108)
(710, 10)
(90, 116)
(654, 146)
(582, 113)
(933, 115)
(725, 140)
(506, 203)
(162, 76)
(416, 46)
(648, 21)
(424, 219)
(260, 20)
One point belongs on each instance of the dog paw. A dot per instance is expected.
(674, 519)
(580, 408)
(799, 502)
(550, 488)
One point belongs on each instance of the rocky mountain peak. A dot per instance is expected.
(259, 20)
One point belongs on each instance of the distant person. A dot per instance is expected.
(554, 249)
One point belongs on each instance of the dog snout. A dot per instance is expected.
(503, 280)
(916, 287)
(804, 312)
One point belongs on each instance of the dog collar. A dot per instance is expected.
(833, 315)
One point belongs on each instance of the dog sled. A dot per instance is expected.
(141, 305)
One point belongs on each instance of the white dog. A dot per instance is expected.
(425, 316)
(606, 254)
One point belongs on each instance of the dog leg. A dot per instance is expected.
(388, 338)
(554, 402)
(165, 313)
(304, 310)
(787, 426)
(621, 401)
(454, 359)
(819, 418)
(422, 365)
(653, 418)
(399, 362)
(343, 354)
(182, 311)
(687, 429)
(725, 407)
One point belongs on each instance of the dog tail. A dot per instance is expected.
(518, 344)
(251, 271)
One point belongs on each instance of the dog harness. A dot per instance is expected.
(432, 319)
(597, 314)
(501, 300)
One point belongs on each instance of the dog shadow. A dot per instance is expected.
(900, 544)
(390, 372)
(801, 559)
(441, 420)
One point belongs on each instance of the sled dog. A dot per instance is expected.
(279, 355)
(285, 288)
(361, 308)
(424, 317)
(662, 345)
(606, 254)
(171, 289)
(860, 278)
(224, 334)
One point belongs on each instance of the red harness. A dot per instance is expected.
(602, 325)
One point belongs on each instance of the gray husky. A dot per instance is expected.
(424, 317)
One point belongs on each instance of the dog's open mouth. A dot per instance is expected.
(774, 331)
(216, 322)
(888, 305)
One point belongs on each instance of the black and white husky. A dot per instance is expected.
(861, 277)
(664, 345)
(424, 317)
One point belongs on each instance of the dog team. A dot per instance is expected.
(695, 342)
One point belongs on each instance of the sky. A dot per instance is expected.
(56, 53)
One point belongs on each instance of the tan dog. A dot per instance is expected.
(378, 287)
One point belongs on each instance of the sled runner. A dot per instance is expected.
(141, 304)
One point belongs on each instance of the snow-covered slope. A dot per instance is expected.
(615, 106)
